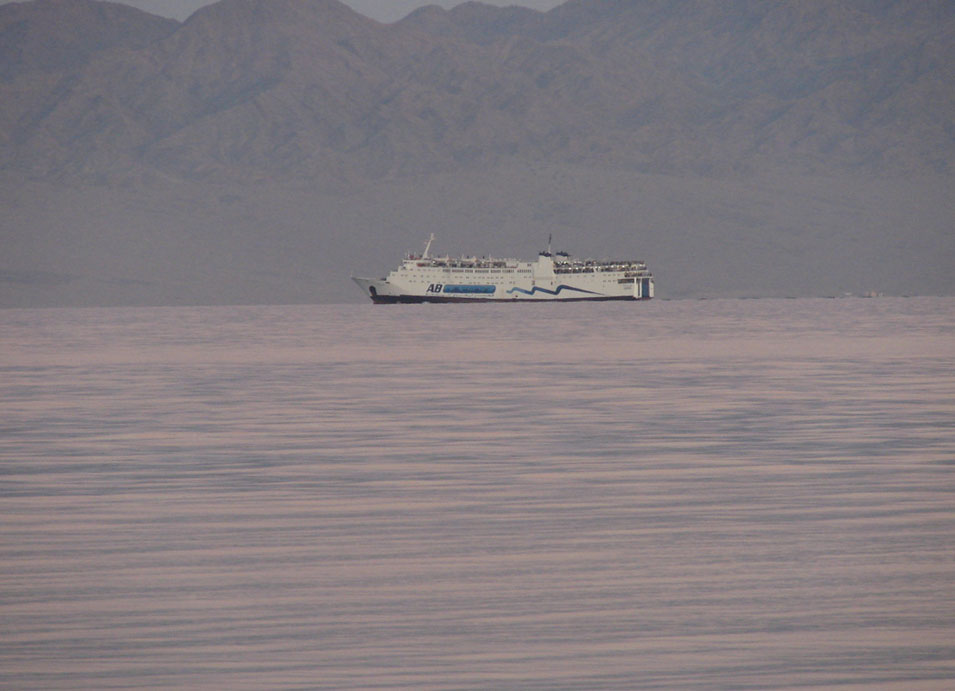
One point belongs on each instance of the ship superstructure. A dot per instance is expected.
(553, 276)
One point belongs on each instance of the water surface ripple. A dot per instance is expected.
(713, 494)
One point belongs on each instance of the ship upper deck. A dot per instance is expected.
(461, 262)
(579, 266)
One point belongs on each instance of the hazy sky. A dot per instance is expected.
(382, 10)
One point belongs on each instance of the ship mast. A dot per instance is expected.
(427, 248)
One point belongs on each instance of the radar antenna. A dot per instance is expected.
(427, 248)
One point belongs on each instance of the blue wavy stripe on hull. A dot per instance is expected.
(557, 291)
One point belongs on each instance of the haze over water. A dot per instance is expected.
(690, 494)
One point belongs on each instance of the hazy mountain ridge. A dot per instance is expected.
(309, 88)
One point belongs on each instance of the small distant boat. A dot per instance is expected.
(553, 276)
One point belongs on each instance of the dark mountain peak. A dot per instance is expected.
(580, 16)
(428, 16)
(311, 13)
(62, 35)
(486, 23)
(483, 13)
(476, 21)
(71, 8)
(251, 41)
(257, 30)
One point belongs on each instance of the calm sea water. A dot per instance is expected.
(713, 494)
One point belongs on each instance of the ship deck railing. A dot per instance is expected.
(444, 263)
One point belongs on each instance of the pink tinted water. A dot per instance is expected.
(667, 494)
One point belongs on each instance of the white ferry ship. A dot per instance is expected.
(554, 276)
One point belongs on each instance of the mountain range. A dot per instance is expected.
(307, 97)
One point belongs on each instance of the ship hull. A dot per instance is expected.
(420, 299)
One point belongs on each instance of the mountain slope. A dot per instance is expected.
(44, 48)
(309, 88)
